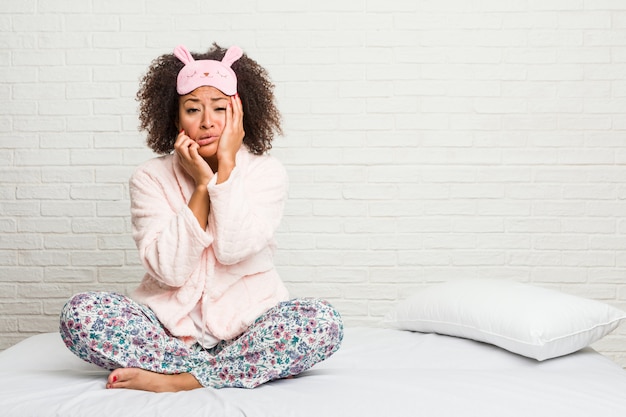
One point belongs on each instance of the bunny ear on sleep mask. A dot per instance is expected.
(207, 72)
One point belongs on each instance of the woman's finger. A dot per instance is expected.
(229, 115)
(237, 118)
(181, 142)
(192, 150)
(181, 135)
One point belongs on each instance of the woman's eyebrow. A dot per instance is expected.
(197, 100)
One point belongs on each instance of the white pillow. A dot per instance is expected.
(532, 321)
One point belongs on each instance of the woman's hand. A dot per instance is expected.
(200, 171)
(191, 161)
(231, 139)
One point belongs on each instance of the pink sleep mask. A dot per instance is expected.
(207, 72)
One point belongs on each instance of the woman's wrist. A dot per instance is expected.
(224, 170)
(200, 204)
(201, 187)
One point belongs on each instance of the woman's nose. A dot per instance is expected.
(207, 121)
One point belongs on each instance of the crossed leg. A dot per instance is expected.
(115, 333)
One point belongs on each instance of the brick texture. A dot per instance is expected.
(425, 141)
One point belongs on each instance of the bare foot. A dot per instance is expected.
(140, 379)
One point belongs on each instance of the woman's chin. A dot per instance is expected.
(208, 151)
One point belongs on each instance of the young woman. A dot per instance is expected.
(211, 310)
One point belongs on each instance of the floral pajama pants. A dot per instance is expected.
(112, 331)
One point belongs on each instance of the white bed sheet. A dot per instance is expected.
(377, 372)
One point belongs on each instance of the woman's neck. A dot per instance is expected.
(212, 161)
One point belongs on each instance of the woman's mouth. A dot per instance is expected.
(207, 140)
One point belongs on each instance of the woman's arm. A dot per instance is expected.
(230, 139)
(167, 233)
(247, 209)
(246, 202)
(199, 170)
(199, 204)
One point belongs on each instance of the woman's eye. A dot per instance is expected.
(192, 110)
(220, 109)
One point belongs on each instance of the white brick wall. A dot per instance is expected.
(425, 140)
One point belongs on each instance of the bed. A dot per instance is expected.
(384, 371)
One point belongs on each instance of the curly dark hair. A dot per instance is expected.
(158, 102)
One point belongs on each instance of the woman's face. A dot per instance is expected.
(202, 115)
